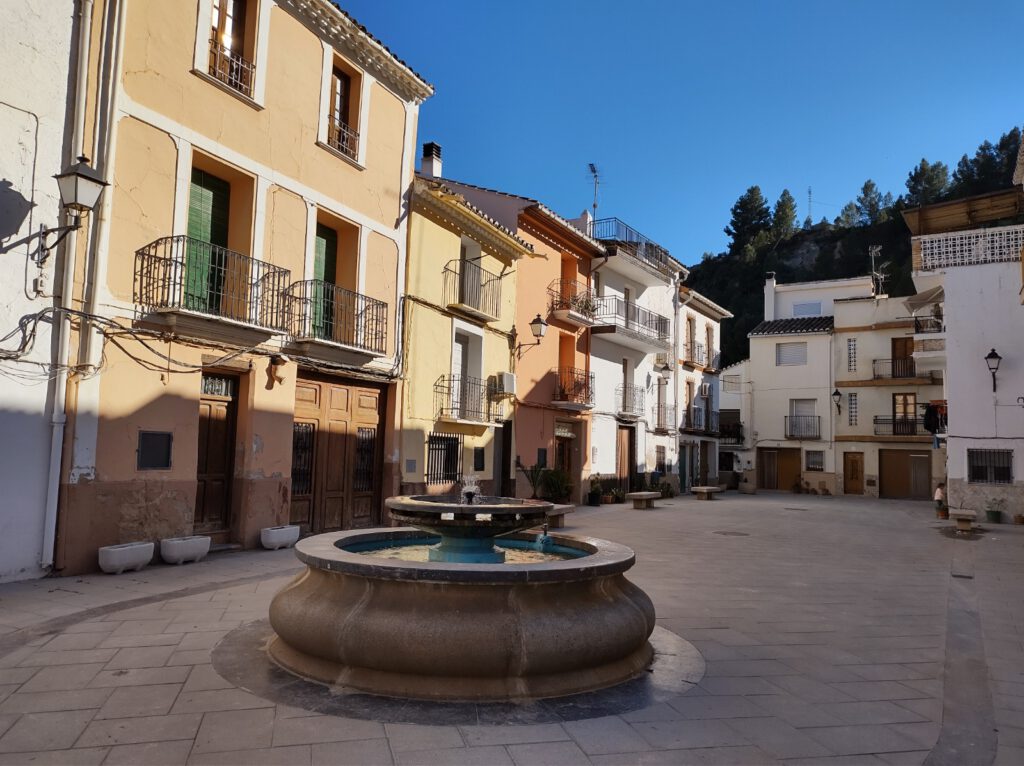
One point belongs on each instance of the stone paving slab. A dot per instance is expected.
(814, 652)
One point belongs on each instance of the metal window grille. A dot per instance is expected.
(815, 460)
(231, 68)
(303, 439)
(366, 450)
(851, 408)
(851, 355)
(659, 459)
(218, 385)
(470, 287)
(154, 451)
(343, 137)
(990, 466)
(444, 458)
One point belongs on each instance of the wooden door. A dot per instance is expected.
(789, 468)
(705, 458)
(209, 201)
(903, 357)
(893, 473)
(336, 455)
(920, 475)
(904, 414)
(216, 453)
(768, 469)
(853, 473)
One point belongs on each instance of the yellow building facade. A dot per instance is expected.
(459, 385)
(235, 364)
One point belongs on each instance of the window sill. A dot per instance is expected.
(341, 155)
(228, 89)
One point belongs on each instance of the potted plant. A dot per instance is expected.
(532, 474)
(666, 489)
(994, 511)
(618, 495)
(1018, 518)
(594, 495)
(555, 485)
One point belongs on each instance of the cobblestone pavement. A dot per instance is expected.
(824, 623)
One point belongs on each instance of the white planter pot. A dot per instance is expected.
(279, 537)
(115, 559)
(178, 550)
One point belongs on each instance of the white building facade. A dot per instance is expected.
(35, 54)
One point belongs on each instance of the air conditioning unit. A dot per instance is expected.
(705, 389)
(505, 383)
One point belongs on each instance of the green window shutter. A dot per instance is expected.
(325, 263)
(208, 205)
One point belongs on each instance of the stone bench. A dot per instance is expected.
(556, 516)
(964, 519)
(643, 500)
(705, 493)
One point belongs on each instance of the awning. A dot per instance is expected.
(563, 431)
(932, 295)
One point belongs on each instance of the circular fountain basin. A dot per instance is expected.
(457, 631)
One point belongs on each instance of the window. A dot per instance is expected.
(659, 459)
(366, 451)
(990, 466)
(340, 132)
(808, 309)
(444, 458)
(154, 451)
(790, 354)
(542, 457)
(479, 458)
(851, 355)
(851, 408)
(814, 460)
(230, 59)
(595, 282)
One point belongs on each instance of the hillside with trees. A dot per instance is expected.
(765, 237)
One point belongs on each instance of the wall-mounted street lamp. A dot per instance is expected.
(837, 398)
(80, 187)
(992, 359)
(537, 327)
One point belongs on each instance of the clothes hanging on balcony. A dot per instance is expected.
(933, 419)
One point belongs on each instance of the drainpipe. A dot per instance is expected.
(58, 417)
(678, 306)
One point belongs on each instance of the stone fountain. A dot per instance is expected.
(434, 610)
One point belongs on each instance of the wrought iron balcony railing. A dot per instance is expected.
(900, 426)
(663, 417)
(731, 433)
(642, 248)
(711, 424)
(696, 354)
(468, 286)
(627, 315)
(701, 420)
(231, 68)
(574, 386)
(461, 397)
(187, 274)
(322, 311)
(343, 137)
(803, 426)
(714, 359)
(893, 368)
(928, 324)
(629, 400)
(570, 295)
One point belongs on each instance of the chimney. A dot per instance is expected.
(769, 296)
(430, 164)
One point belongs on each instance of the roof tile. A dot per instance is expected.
(794, 326)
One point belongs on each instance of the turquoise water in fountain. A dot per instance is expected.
(417, 549)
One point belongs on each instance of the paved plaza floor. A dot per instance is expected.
(834, 630)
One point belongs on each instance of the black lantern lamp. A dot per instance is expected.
(837, 398)
(992, 359)
(538, 327)
(80, 187)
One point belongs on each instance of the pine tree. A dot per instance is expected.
(750, 217)
(849, 216)
(927, 183)
(990, 169)
(870, 204)
(784, 216)
(808, 223)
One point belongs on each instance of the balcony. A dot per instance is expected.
(629, 401)
(343, 138)
(322, 313)
(572, 302)
(634, 255)
(928, 324)
(714, 359)
(701, 421)
(900, 427)
(731, 433)
(227, 66)
(574, 389)
(663, 418)
(466, 400)
(900, 369)
(966, 248)
(630, 325)
(203, 288)
(472, 290)
(696, 354)
(803, 426)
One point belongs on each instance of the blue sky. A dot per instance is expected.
(683, 105)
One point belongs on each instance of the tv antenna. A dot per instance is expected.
(597, 182)
(810, 209)
(877, 269)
